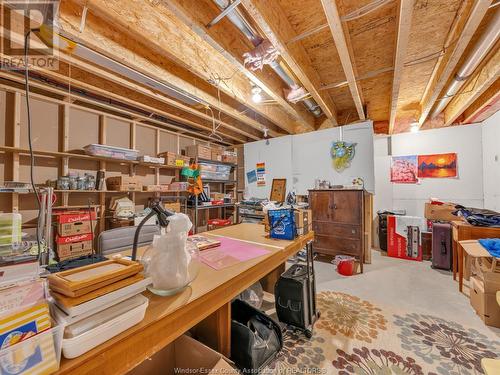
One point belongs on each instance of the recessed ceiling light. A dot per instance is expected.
(256, 96)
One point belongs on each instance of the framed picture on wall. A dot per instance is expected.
(404, 169)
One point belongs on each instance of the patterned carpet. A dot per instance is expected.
(354, 336)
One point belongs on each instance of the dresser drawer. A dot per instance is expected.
(337, 244)
(337, 230)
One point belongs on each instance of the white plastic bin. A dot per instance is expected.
(40, 354)
(76, 346)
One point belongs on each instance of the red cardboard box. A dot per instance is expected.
(71, 239)
(75, 216)
(397, 236)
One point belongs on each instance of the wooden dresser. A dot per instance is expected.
(338, 220)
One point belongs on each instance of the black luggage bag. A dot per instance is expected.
(256, 339)
(295, 293)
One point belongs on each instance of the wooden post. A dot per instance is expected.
(13, 137)
(102, 166)
(215, 330)
(157, 151)
(64, 145)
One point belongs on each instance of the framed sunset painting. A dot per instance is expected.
(437, 166)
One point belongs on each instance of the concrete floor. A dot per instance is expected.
(405, 286)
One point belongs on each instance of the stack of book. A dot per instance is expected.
(98, 301)
(26, 329)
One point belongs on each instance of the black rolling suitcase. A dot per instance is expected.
(295, 293)
(441, 246)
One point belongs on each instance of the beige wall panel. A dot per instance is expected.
(118, 133)
(114, 169)
(28, 208)
(44, 124)
(184, 142)
(165, 175)
(147, 174)
(168, 142)
(45, 169)
(83, 128)
(145, 140)
(2, 117)
(77, 199)
(81, 167)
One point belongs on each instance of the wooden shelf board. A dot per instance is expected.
(57, 154)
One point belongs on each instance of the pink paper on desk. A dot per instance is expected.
(230, 252)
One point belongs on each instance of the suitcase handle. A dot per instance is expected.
(443, 247)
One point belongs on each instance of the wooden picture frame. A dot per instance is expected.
(278, 190)
(82, 280)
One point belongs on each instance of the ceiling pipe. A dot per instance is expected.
(239, 21)
(474, 58)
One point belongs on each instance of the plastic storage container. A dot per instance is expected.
(40, 354)
(111, 152)
(211, 171)
(10, 228)
(115, 322)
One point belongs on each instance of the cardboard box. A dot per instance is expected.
(75, 216)
(482, 269)
(174, 206)
(397, 236)
(199, 151)
(152, 188)
(217, 196)
(216, 154)
(72, 239)
(74, 250)
(440, 212)
(124, 183)
(174, 160)
(303, 218)
(485, 304)
(185, 356)
(230, 157)
(72, 229)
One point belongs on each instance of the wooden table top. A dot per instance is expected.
(474, 249)
(169, 317)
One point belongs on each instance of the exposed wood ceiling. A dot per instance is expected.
(388, 61)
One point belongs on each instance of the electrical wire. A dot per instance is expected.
(30, 143)
(363, 11)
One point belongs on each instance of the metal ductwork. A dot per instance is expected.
(474, 58)
(239, 21)
(69, 45)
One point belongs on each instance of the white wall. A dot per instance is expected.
(467, 189)
(302, 158)
(491, 162)
(312, 159)
(278, 158)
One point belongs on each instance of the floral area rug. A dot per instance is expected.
(354, 336)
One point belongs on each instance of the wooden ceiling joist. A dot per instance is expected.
(196, 14)
(271, 19)
(87, 104)
(484, 78)
(403, 34)
(337, 31)
(133, 94)
(459, 37)
(485, 106)
(156, 27)
(108, 40)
